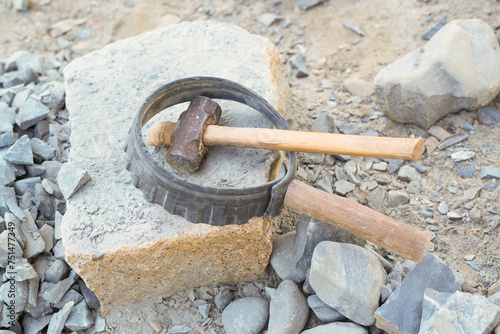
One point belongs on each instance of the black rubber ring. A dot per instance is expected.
(196, 203)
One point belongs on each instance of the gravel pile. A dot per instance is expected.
(39, 290)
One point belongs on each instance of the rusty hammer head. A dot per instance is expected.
(186, 143)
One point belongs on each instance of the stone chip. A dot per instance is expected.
(71, 178)
(30, 113)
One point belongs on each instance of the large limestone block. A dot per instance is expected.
(125, 248)
(459, 68)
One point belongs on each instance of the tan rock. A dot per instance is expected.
(358, 87)
(125, 248)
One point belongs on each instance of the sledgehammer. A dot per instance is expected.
(195, 131)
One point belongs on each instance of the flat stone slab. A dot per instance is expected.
(402, 311)
(125, 248)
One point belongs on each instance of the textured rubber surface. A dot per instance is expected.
(196, 203)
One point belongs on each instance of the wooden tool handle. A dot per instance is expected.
(298, 141)
(359, 220)
(315, 142)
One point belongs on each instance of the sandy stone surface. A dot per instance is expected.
(125, 248)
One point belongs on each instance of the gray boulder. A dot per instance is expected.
(288, 311)
(246, 316)
(339, 272)
(459, 68)
(458, 312)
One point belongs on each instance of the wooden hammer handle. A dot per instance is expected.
(359, 220)
(298, 141)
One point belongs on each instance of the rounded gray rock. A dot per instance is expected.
(282, 258)
(337, 328)
(288, 312)
(324, 312)
(340, 272)
(246, 316)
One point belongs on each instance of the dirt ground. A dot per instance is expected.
(393, 28)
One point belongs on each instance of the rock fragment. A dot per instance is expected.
(70, 179)
(246, 315)
(336, 278)
(71, 295)
(323, 123)
(354, 28)
(6, 136)
(80, 317)
(324, 312)
(452, 141)
(30, 113)
(442, 208)
(34, 244)
(358, 87)
(467, 171)
(52, 94)
(306, 4)
(376, 198)
(396, 198)
(58, 290)
(29, 61)
(395, 164)
(282, 259)
(19, 299)
(342, 187)
(462, 155)
(41, 149)
(4, 248)
(223, 298)
(34, 325)
(408, 173)
(435, 28)
(325, 184)
(299, 64)
(20, 153)
(418, 77)
(7, 173)
(431, 272)
(348, 129)
(337, 328)
(489, 172)
(310, 232)
(288, 310)
(267, 19)
(100, 324)
(90, 297)
(57, 321)
(458, 312)
(22, 186)
(56, 271)
(489, 116)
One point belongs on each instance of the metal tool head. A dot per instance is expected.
(187, 150)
